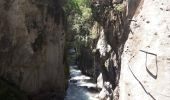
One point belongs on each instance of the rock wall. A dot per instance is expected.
(145, 70)
(131, 52)
(113, 18)
(113, 25)
(32, 38)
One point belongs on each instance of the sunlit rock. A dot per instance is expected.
(100, 81)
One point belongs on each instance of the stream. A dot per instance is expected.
(80, 86)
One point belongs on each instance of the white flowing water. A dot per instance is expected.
(80, 87)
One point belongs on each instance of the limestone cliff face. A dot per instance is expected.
(32, 39)
(145, 69)
(131, 51)
(113, 26)
(114, 18)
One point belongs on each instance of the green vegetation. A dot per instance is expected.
(120, 7)
(80, 22)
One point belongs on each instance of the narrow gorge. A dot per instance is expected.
(84, 50)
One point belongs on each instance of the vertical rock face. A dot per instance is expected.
(133, 44)
(145, 68)
(114, 18)
(32, 40)
(113, 31)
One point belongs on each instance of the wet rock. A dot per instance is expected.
(73, 81)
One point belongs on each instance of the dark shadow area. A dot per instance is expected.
(150, 73)
(141, 84)
(10, 91)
